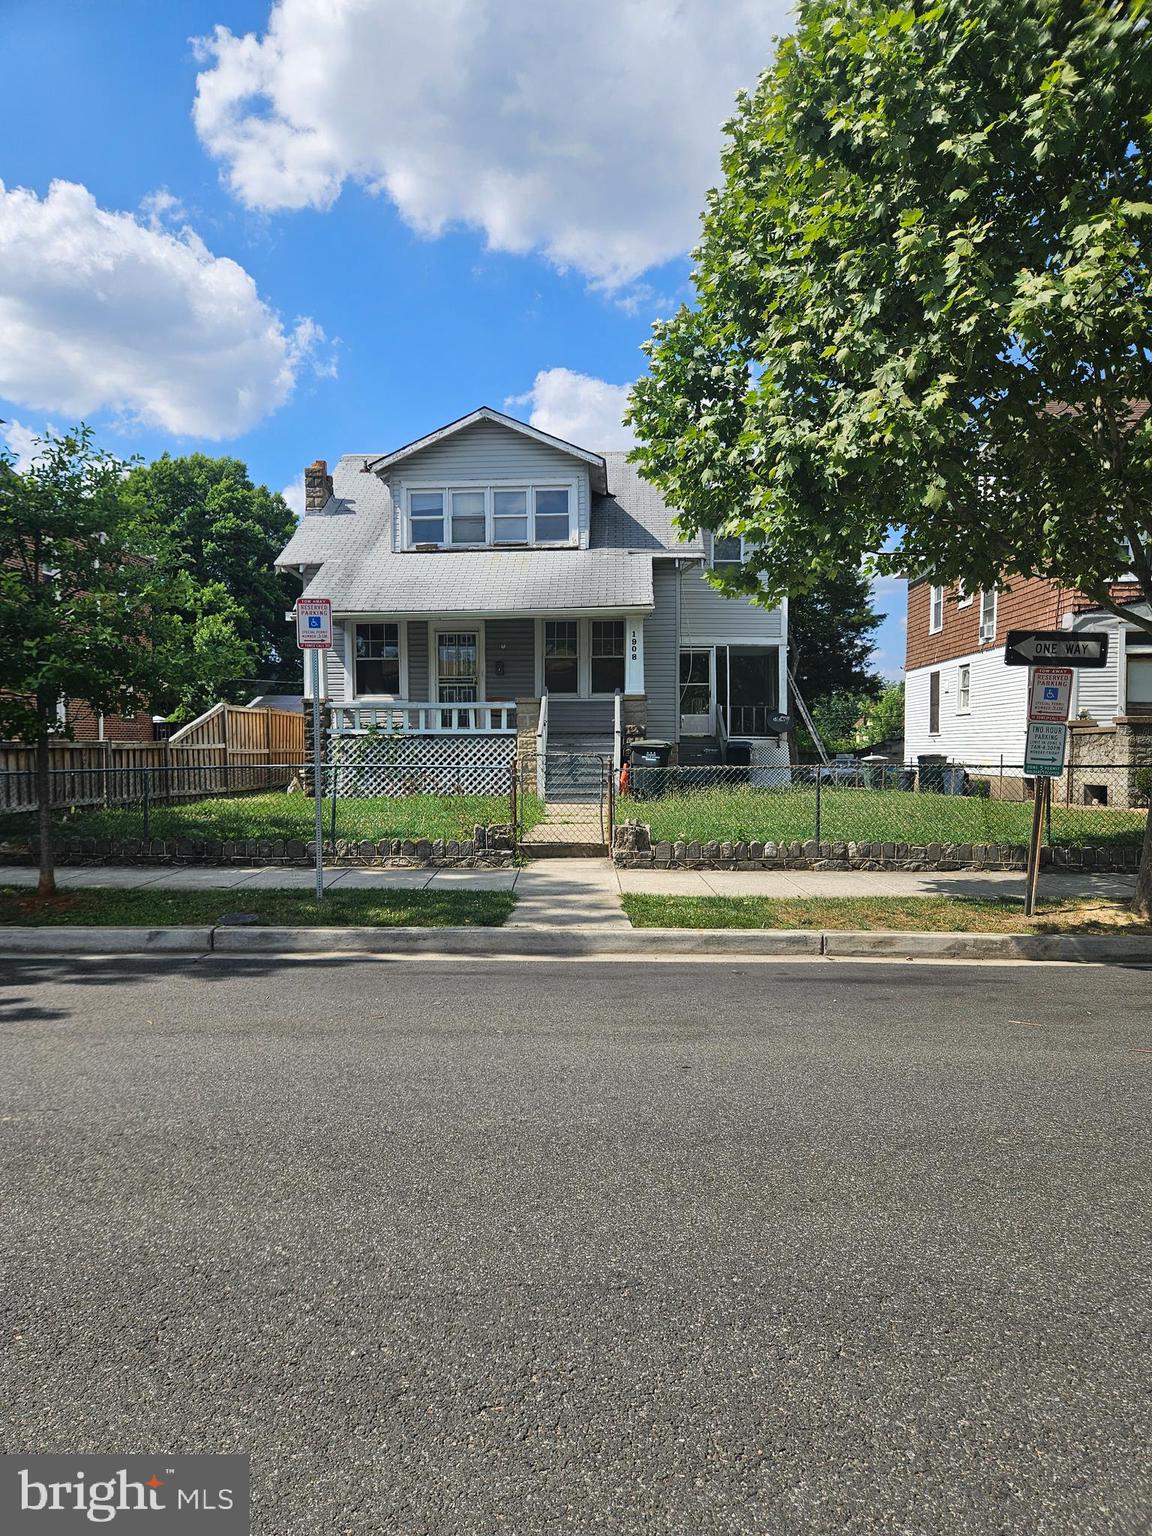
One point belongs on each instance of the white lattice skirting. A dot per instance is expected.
(396, 766)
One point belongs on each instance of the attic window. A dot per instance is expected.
(727, 552)
(426, 509)
(510, 517)
(472, 516)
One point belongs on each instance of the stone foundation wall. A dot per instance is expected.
(633, 848)
(487, 848)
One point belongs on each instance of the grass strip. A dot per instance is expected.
(749, 813)
(111, 907)
(899, 914)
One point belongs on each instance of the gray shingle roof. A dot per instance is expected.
(486, 581)
(634, 515)
(350, 540)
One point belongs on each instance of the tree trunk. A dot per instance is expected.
(1143, 901)
(47, 883)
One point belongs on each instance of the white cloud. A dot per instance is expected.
(294, 494)
(578, 408)
(108, 311)
(22, 442)
(589, 130)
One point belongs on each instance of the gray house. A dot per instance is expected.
(498, 586)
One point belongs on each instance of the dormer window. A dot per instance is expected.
(727, 552)
(476, 517)
(426, 509)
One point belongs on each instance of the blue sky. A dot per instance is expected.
(299, 229)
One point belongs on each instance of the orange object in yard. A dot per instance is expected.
(625, 776)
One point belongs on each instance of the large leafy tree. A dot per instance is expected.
(831, 637)
(921, 335)
(89, 609)
(225, 532)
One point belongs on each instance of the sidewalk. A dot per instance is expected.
(585, 892)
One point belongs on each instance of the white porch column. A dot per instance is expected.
(634, 655)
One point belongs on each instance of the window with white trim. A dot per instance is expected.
(481, 516)
(607, 655)
(377, 660)
(935, 610)
(988, 615)
(964, 689)
(963, 596)
(727, 552)
(562, 656)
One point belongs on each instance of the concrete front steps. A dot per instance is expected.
(575, 768)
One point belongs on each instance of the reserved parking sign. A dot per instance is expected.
(314, 623)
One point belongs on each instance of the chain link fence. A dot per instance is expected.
(406, 800)
(848, 801)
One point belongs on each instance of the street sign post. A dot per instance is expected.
(1056, 648)
(314, 633)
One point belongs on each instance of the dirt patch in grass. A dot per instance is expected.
(108, 907)
(898, 914)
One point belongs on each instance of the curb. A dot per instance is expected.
(641, 943)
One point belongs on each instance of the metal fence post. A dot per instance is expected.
(334, 769)
(512, 804)
(147, 805)
(819, 780)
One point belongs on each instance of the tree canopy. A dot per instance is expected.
(921, 333)
(224, 532)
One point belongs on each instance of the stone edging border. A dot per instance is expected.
(633, 848)
(488, 848)
(639, 944)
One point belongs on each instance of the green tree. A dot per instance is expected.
(921, 336)
(85, 601)
(225, 532)
(830, 637)
(884, 717)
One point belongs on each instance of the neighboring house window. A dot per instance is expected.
(426, 510)
(964, 689)
(469, 517)
(510, 517)
(607, 655)
(553, 518)
(561, 656)
(935, 610)
(963, 596)
(934, 704)
(727, 552)
(377, 659)
(987, 615)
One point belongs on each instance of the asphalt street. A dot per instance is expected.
(458, 1247)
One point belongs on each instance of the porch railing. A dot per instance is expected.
(746, 719)
(405, 717)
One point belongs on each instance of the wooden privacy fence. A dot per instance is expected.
(230, 749)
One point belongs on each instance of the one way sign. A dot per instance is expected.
(1056, 648)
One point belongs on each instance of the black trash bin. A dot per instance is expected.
(648, 768)
(932, 766)
(737, 762)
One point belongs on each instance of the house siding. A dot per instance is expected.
(1098, 689)
(482, 455)
(419, 681)
(996, 723)
(338, 689)
(662, 654)
(513, 642)
(707, 617)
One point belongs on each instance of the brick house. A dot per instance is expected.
(963, 702)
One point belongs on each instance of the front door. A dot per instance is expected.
(457, 674)
(697, 693)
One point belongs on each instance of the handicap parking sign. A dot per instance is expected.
(315, 621)
(1049, 693)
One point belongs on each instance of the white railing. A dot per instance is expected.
(618, 731)
(542, 745)
(406, 718)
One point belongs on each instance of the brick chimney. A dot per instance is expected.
(317, 486)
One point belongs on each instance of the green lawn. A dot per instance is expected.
(746, 814)
(286, 816)
(906, 914)
(148, 908)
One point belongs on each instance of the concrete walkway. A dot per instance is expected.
(585, 892)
